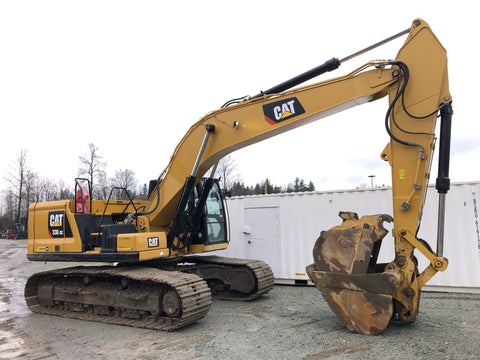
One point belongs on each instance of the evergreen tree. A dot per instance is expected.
(311, 187)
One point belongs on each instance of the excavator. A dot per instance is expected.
(153, 272)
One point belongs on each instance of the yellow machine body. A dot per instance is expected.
(62, 235)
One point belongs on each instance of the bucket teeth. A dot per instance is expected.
(344, 270)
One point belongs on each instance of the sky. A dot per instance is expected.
(133, 76)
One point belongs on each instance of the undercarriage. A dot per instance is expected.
(154, 295)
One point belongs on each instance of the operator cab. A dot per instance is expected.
(205, 223)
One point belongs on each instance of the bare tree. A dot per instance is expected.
(63, 191)
(17, 177)
(143, 192)
(125, 179)
(103, 186)
(92, 167)
(47, 190)
(31, 181)
(8, 209)
(227, 171)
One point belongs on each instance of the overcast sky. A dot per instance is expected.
(133, 76)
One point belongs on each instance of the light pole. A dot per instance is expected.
(371, 178)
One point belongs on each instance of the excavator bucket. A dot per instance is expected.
(346, 272)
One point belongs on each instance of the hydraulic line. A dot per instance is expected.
(402, 66)
(401, 94)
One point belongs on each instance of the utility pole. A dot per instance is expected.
(371, 178)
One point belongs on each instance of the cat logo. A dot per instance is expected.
(55, 224)
(56, 219)
(152, 242)
(58, 225)
(282, 110)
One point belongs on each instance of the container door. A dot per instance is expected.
(262, 236)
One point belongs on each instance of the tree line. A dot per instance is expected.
(26, 186)
(266, 187)
(232, 184)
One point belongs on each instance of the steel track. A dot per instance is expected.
(192, 292)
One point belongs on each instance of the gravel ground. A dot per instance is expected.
(291, 322)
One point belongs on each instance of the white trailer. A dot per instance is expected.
(281, 229)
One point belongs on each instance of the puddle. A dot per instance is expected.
(10, 345)
(12, 306)
(11, 295)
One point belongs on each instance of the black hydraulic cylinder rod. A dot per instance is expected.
(328, 65)
(443, 180)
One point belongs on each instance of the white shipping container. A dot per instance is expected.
(281, 229)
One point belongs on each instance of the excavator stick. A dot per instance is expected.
(346, 272)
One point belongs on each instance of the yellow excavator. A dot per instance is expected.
(157, 278)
